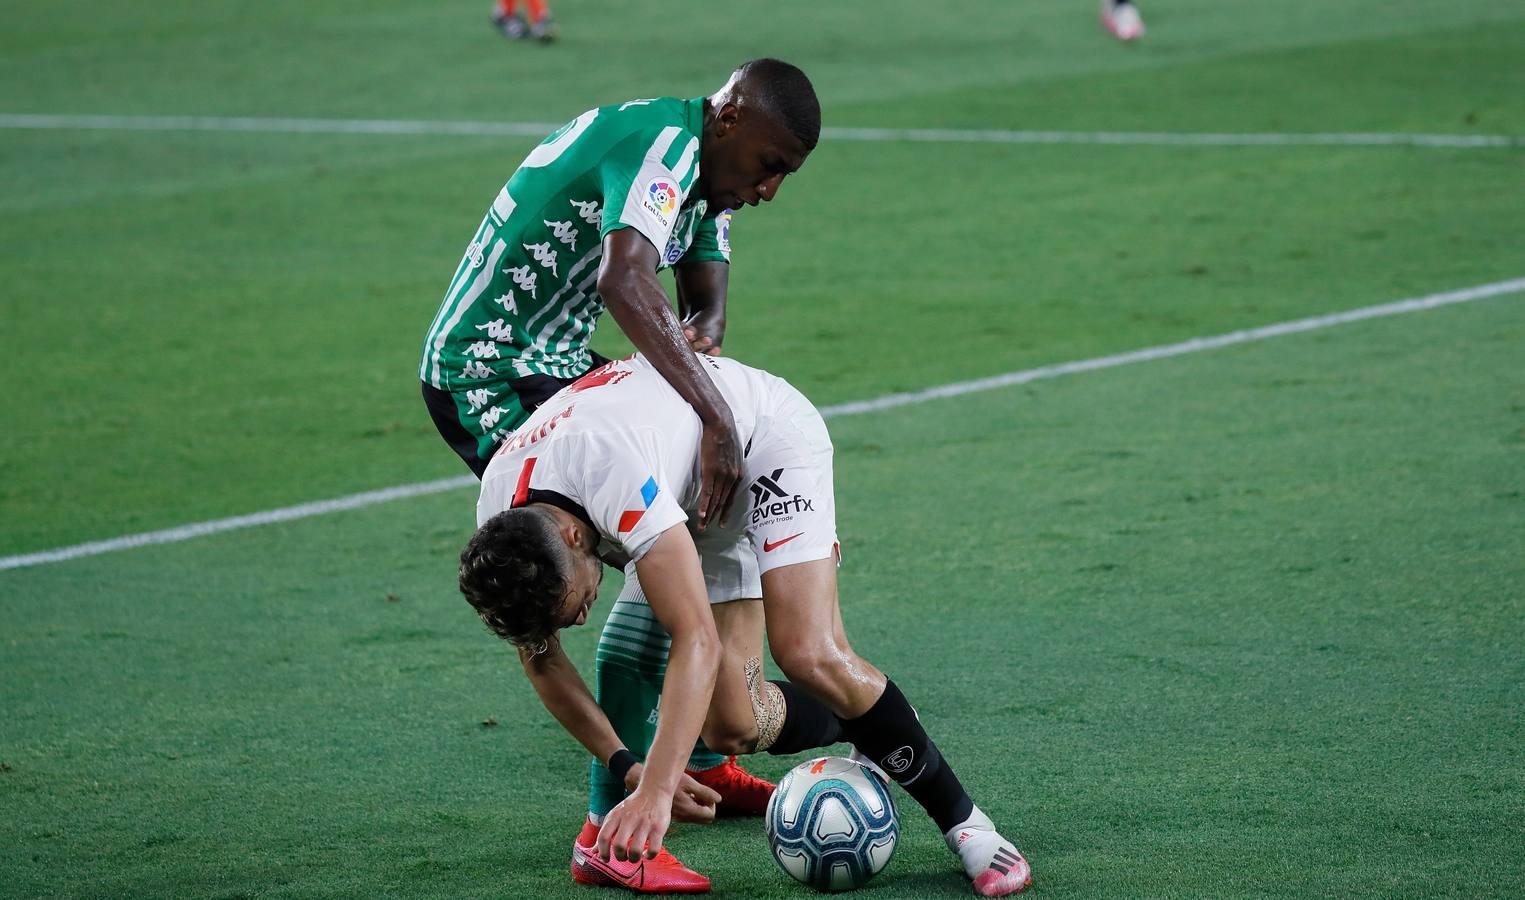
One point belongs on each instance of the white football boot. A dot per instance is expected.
(990, 861)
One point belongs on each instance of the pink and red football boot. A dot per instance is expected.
(663, 875)
(741, 792)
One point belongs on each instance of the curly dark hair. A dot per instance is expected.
(514, 574)
(782, 91)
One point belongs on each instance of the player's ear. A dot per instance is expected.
(571, 535)
(727, 117)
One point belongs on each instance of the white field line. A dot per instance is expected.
(1194, 345)
(914, 135)
(890, 401)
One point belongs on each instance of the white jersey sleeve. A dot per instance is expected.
(622, 485)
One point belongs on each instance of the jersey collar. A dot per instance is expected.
(560, 501)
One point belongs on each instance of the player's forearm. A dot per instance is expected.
(702, 291)
(639, 305)
(567, 698)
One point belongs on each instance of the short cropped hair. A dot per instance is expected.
(514, 574)
(783, 92)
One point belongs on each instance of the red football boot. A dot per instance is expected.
(741, 792)
(663, 875)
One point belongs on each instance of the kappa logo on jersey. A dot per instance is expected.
(589, 211)
(771, 501)
(661, 198)
(524, 278)
(544, 255)
(507, 302)
(723, 236)
(631, 517)
(483, 350)
(490, 418)
(498, 330)
(477, 369)
(565, 232)
(479, 398)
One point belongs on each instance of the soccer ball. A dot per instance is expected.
(831, 824)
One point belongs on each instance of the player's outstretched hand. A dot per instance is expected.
(694, 802)
(637, 825)
(719, 470)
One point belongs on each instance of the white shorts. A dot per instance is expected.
(785, 511)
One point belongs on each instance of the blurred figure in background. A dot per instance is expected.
(1122, 19)
(538, 26)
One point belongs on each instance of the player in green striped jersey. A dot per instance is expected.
(584, 224)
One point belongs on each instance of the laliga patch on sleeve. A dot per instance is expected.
(661, 198)
(723, 232)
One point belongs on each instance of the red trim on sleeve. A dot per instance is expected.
(522, 489)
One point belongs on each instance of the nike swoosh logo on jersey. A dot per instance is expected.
(770, 546)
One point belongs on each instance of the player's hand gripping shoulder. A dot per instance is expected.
(719, 468)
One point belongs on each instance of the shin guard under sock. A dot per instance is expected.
(891, 736)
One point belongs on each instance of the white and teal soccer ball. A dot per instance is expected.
(831, 824)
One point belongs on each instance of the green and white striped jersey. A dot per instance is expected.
(524, 299)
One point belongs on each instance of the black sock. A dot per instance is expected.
(808, 723)
(890, 735)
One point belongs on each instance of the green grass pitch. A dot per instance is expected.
(1239, 623)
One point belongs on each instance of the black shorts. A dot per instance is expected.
(531, 391)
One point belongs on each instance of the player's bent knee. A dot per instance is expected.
(818, 667)
(729, 740)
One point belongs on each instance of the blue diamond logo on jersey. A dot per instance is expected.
(724, 236)
(631, 517)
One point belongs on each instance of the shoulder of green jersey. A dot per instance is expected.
(564, 137)
(659, 187)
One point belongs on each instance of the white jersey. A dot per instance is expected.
(620, 448)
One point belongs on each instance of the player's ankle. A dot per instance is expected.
(976, 828)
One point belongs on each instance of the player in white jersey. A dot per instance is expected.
(608, 468)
